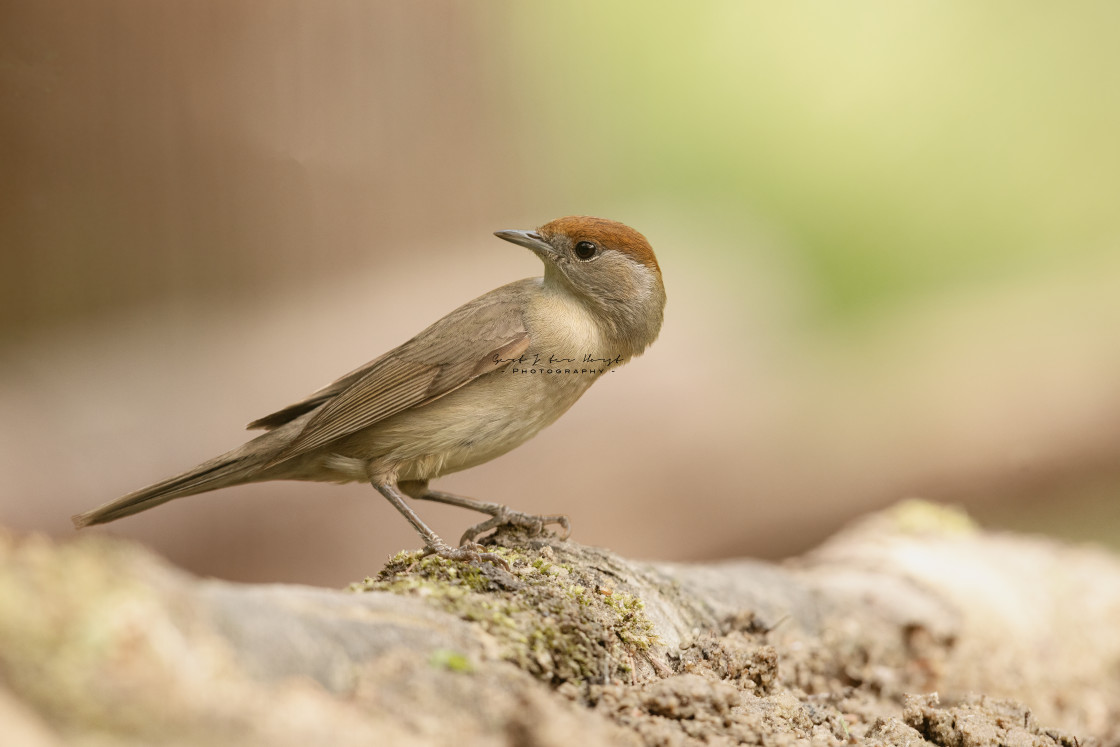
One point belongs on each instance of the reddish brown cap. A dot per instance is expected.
(606, 233)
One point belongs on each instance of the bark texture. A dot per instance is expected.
(101, 643)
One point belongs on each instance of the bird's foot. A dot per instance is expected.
(470, 552)
(504, 516)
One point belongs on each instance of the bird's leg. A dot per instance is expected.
(433, 545)
(500, 515)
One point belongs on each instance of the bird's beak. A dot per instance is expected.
(530, 240)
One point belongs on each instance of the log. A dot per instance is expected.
(913, 627)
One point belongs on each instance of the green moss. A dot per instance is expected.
(542, 565)
(549, 618)
(452, 661)
(916, 516)
(635, 628)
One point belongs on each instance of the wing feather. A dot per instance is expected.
(431, 365)
(313, 400)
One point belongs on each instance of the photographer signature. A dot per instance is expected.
(536, 359)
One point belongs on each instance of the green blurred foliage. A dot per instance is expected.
(898, 148)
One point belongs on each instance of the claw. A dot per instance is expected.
(535, 524)
(469, 553)
(477, 529)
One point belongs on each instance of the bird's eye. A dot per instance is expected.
(586, 250)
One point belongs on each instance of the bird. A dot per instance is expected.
(472, 386)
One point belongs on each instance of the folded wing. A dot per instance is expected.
(435, 363)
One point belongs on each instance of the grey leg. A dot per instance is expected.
(500, 515)
(433, 545)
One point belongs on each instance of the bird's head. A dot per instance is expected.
(608, 266)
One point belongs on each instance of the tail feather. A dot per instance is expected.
(218, 473)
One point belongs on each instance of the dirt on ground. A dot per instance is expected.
(571, 617)
(913, 629)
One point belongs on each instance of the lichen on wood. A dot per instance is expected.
(101, 643)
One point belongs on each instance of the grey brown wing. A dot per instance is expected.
(436, 362)
(313, 400)
(309, 403)
(489, 311)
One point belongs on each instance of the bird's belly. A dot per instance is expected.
(483, 420)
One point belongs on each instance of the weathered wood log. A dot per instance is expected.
(100, 643)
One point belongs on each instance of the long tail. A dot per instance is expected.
(228, 469)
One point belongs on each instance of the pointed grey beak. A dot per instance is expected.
(530, 240)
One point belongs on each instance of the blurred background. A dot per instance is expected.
(890, 235)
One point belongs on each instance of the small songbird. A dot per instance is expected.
(477, 383)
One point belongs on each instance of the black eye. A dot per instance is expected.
(586, 249)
